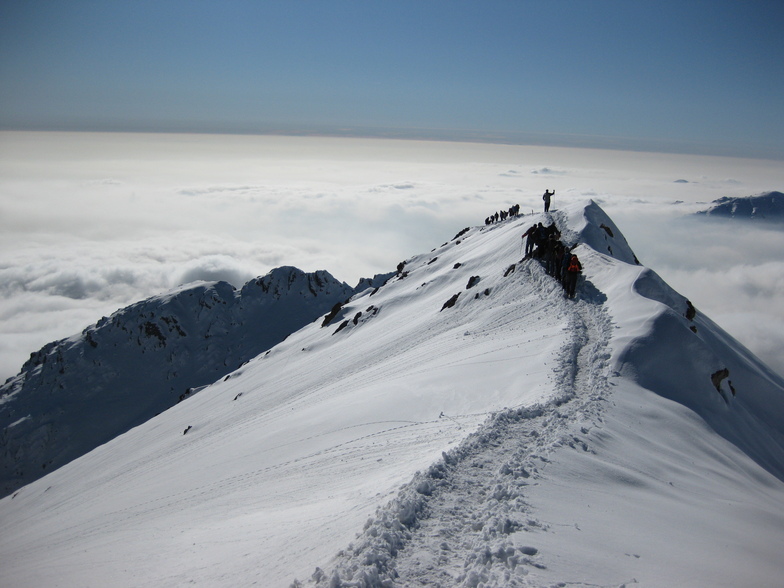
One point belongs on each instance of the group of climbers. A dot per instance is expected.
(543, 243)
(503, 215)
(514, 211)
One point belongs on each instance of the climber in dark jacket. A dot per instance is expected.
(572, 273)
(530, 234)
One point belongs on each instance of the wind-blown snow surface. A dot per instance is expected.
(514, 438)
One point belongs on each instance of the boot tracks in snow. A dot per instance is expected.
(421, 538)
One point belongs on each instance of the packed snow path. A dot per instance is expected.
(607, 482)
(451, 525)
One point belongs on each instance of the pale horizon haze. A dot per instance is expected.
(146, 144)
(703, 76)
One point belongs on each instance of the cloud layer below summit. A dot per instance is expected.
(93, 222)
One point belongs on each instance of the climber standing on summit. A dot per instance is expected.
(546, 198)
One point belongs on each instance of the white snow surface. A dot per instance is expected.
(85, 390)
(517, 438)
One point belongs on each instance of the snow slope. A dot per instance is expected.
(512, 438)
(78, 393)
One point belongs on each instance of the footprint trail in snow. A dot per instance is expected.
(421, 537)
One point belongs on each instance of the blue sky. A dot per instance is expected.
(687, 76)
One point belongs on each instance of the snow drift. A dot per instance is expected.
(463, 425)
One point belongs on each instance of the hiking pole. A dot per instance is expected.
(450, 418)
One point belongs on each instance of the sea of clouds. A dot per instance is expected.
(93, 222)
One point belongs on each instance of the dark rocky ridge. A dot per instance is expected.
(768, 206)
(75, 394)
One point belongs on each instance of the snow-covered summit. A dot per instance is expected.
(768, 206)
(463, 425)
(75, 394)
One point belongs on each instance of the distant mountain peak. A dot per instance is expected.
(287, 281)
(767, 206)
(76, 393)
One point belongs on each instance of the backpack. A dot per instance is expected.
(574, 265)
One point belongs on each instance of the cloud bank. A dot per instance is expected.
(92, 222)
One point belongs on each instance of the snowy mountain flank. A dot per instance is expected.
(768, 206)
(78, 393)
(465, 424)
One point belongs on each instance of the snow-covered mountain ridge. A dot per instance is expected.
(512, 438)
(767, 206)
(75, 394)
